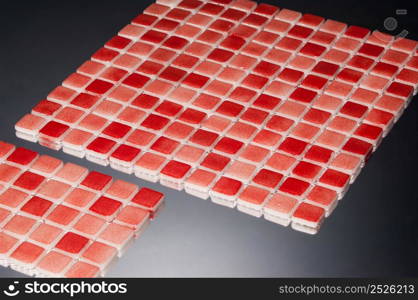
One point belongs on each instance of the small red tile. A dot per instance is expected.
(125, 153)
(227, 186)
(353, 110)
(165, 145)
(105, 206)
(294, 186)
(22, 156)
(96, 181)
(29, 181)
(357, 32)
(293, 146)
(204, 138)
(155, 122)
(72, 243)
(279, 124)
(215, 161)
(175, 169)
(101, 145)
(268, 178)
(357, 146)
(303, 95)
(148, 199)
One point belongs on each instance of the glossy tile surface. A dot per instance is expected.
(229, 100)
(60, 220)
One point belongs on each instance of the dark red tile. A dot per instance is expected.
(227, 186)
(99, 86)
(293, 146)
(358, 146)
(96, 181)
(215, 162)
(22, 156)
(268, 178)
(294, 186)
(175, 169)
(54, 129)
(204, 138)
(136, 80)
(228, 145)
(155, 122)
(29, 181)
(303, 95)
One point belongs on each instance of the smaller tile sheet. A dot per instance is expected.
(61, 220)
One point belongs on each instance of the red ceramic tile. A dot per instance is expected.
(305, 131)
(79, 197)
(293, 186)
(306, 170)
(63, 215)
(278, 56)
(242, 94)
(293, 146)
(22, 156)
(71, 173)
(227, 186)
(216, 123)
(45, 234)
(175, 169)
(279, 124)
(325, 68)
(336, 56)
(165, 145)
(82, 270)
(292, 109)
(148, 199)
(266, 138)
(357, 146)
(61, 94)
(27, 253)
(290, 75)
(289, 15)
(53, 189)
(353, 110)
(303, 95)
(36, 206)
(72, 243)
(289, 44)
(302, 63)
(96, 181)
(12, 197)
(125, 153)
(8, 173)
(312, 50)
(319, 154)
(155, 122)
(400, 90)
(268, 178)
(254, 153)
(105, 206)
(101, 145)
(29, 181)
(204, 138)
(214, 161)
(323, 38)
(300, 32)
(314, 82)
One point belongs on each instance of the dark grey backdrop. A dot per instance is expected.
(373, 231)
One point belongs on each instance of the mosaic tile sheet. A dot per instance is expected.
(60, 220)
(268, 110)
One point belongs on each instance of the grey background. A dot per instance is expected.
(373, 231)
